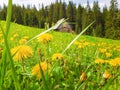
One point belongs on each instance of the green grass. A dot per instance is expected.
(61, 37)
(64, 74)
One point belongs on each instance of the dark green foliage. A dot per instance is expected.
(50, 14)
(3, 13)
(112, 24)
(17, 13)
(104, 19)
(79, 19)
(97, 16)
(56, 12)
(89, 19)
(62, 10)
(71, 13)
(113, 34)
(107, 20)
(84, 19)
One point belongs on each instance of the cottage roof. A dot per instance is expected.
(64, 25)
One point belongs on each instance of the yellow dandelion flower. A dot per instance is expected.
(22, 41)
(86, 43)
(11, 38)
(36, 69)
(117, 48)
(26, 37)
(102, 50)
(21, 52)
(99, 61)
(92, 44)
(76, 43)
(15, 35)
(2, 41)
(1, 34)
(108, 54)
(115, 62)
(106, 75)
(45, 38)
(106, 61)
(99, 44)
(80, 46)
(103, 44)
(57, 56)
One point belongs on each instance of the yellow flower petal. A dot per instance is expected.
(21, 52)
(57, 56)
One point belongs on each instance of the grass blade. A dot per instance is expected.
(3, 64)
(43, 77)
(8, 18)
(77, 37)
(6, 47)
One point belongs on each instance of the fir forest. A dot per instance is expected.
(60, 46)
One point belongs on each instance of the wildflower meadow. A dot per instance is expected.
(56, 60)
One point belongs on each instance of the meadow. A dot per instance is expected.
(91, 63)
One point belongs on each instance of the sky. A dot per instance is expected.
(38, 3)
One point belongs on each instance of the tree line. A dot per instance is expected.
(107, 20)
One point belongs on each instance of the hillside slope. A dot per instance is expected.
(90, 59)
(60, 40)
(31, 31)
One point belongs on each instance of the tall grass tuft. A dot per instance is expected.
(6, 56)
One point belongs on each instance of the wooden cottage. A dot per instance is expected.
(65, 27)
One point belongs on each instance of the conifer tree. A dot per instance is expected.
(3, 12)
(104, 19)
(79, 19)
(111, 20)
(50, 14)
(97, 18)
(71, 11)
(62, 10)
(56, 12)
(84, 18)
(89, 18)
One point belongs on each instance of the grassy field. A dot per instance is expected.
(91, 63)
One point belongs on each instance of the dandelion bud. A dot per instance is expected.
(1, 49)
(39, 51)
(106, 75)
(83, 77)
